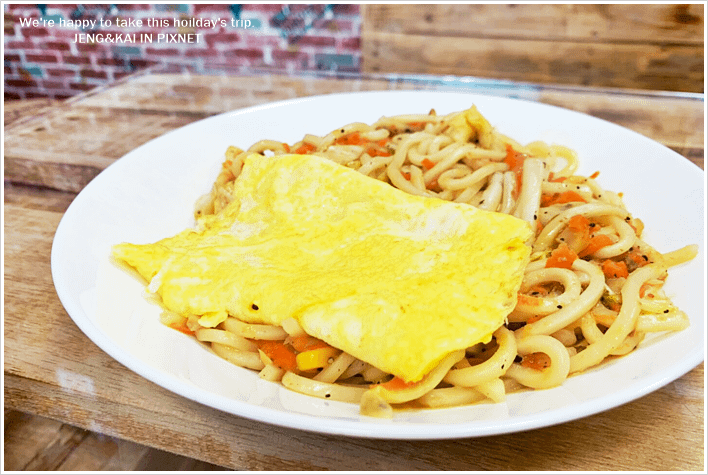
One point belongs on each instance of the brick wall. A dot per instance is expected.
(52, 61)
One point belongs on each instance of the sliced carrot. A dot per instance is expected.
(561, 198)
(536, 361)
(515, 161)
(553, 179)
(614, 269)
(562, 257)
(596, 243)
(282, 356)
(181, 327)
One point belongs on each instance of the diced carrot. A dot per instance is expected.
(406, 175)
(614, 269)
(524, 299)
(353, 138)
(596, 243)
(579, 223)
(304, 149)
(562, 257)
(643, 289)
(397, 384)
(638, 258)
(307, 342)
(286, 147)
(282, 356)
(536, 361)
(561, 198)
(427, 163)
(416, 125)
(433, 185)
(595, 175)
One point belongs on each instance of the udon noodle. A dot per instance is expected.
(592, 290)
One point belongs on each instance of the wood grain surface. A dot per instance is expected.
(53, 370)
(658, 47)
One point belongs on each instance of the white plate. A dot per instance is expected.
(149, 194)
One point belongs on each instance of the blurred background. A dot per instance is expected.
(656, 47)
(641, 46)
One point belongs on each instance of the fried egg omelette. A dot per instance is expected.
(396, 280)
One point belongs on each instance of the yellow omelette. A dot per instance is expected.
(396, 280)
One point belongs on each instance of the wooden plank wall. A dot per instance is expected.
(649, 46)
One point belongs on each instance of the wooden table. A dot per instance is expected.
(52, 369)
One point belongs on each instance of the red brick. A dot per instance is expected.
(9, 31)
(23, 45)
(59, 72)
(20, 82)
(34, 31)
(56, 45)
(142, 63)
(88, 47)
(35, 94)
(49, 84)
(162, 51)
(92, 73)
(81, 86)
(351, 43)
(346, 9)
(221, 37)
(77, 60)
(245, 53)
(288, 54)
(200, 52)
(42, 58)
(121, 74)
(258, 41)
(315, 41)
(133, 6)
(263, 7)
(11, 96)
(201, 8)
(333, 25)
(109, 62)
(13, 57)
